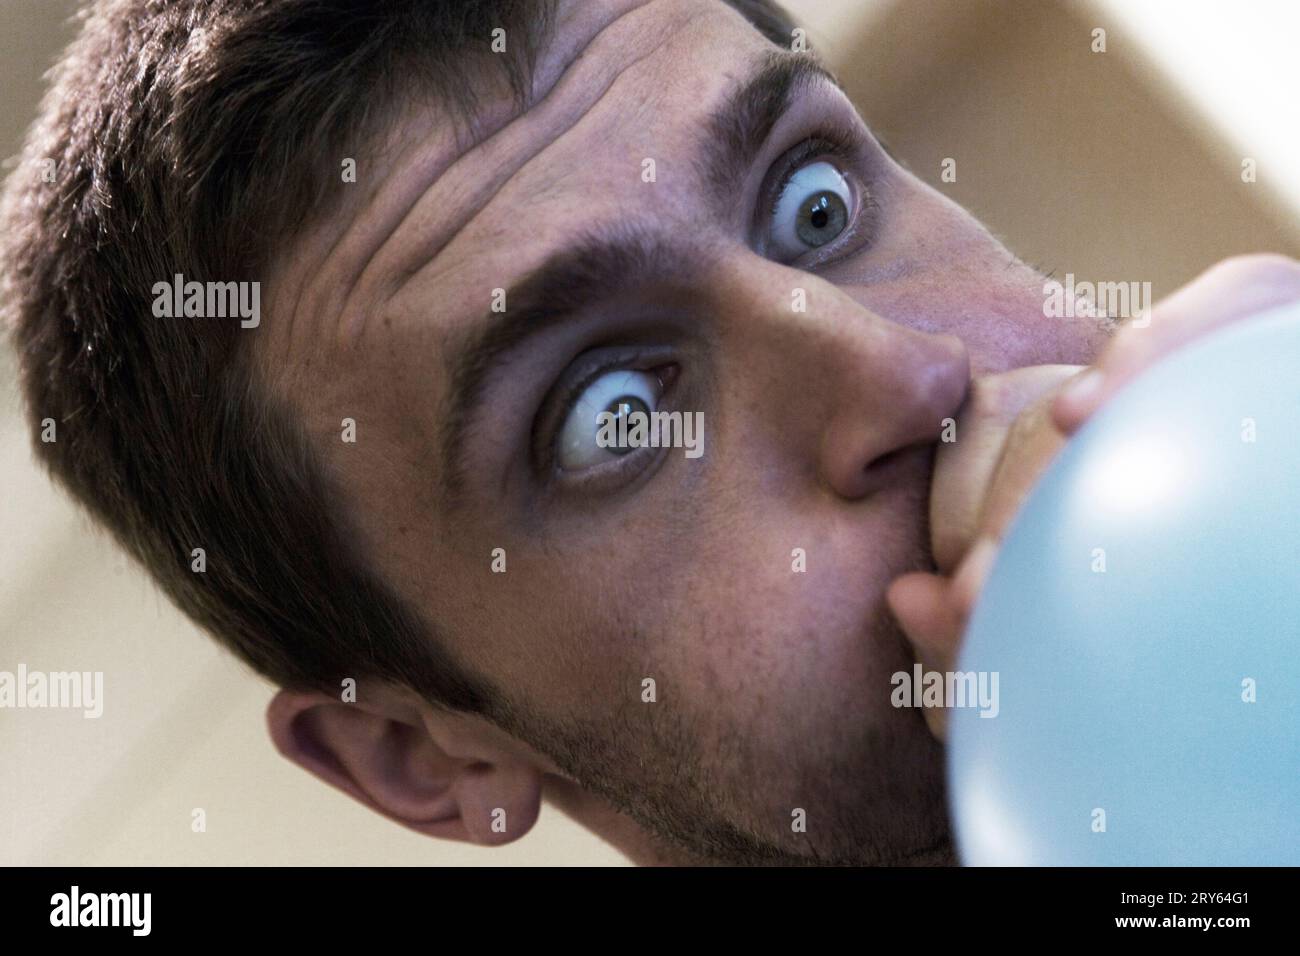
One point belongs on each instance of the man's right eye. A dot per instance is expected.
(814, 206)
(620, 393)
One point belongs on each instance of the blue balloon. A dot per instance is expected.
(1143, 621)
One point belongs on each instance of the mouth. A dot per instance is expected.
(910, 471)
(907, 473)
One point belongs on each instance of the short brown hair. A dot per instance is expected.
(189, 137)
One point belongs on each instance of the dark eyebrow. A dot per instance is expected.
(593, 268)
(737, 132)
(602, 263)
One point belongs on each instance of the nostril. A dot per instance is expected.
(884, 462)
(896, 467)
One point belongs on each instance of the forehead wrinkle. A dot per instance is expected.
(428, 190)
(355, 247)
(755, 69)
(350, 246)
(564, 50)
(421, 163)
(349, 239)
(448, 224)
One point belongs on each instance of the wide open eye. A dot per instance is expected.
(620, 393)
(815, 206)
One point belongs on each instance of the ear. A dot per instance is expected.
(442, 774)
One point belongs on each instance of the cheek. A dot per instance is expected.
(786, 613)
(993, 303)
(937, 269)
(741, 592)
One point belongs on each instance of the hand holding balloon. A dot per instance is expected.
(1013, 426)
(1230, 291)
(1004, 438)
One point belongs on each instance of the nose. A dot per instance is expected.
(839, 389)
(897, 397)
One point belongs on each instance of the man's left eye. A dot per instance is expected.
(815, 206)
(620, 393)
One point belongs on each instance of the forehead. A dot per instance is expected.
(447, 217)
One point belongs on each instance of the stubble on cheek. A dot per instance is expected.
(732, 767)
(770, 737)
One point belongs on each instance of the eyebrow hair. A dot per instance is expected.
(593, 268)
(601, 263)
(738, 131)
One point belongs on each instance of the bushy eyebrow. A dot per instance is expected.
(592, 269)
(605, 261)
(737, 132)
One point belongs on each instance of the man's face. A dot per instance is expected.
(704, 223)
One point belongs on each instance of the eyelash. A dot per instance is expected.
(822, 146)
(841, 146)
(590, 367)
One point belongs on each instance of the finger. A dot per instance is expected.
(933, 612)
(923, 606)
(1032, 443)
(1230, 291)
(970, 578)
(964, 467)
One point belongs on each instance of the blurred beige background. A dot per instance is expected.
(1116, 166)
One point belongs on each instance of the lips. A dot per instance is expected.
(907, 475)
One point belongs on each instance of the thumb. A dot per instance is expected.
(925, 609)
(924, 606)
(933, 610)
